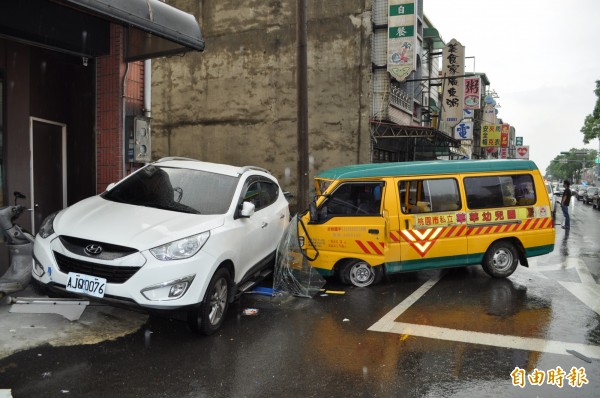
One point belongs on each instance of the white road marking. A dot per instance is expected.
(387, 322)
(584, 292)
(582, 270)
(587, 294)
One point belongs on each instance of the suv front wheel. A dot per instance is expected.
(208, 317)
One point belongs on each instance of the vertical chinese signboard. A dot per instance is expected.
(505, 135)
(472, 93)
(402, 38)
(453, 87)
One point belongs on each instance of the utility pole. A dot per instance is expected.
(302, 105)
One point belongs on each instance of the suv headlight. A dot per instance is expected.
(180, 249)
(47, 227)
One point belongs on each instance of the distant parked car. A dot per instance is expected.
(550, 196)
(589, 195)
(581, 192)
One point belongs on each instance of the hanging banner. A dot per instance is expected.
(402, 38)
(503, 153)
(522, 152)
(472, 93)
(464, 131)
(453, 95)
(491, 135)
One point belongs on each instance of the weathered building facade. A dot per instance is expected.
(237, 102)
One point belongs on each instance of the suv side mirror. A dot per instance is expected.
(247, 209)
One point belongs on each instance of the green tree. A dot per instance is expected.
(591, 126)
(569, 165)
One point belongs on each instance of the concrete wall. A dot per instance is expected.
(236, 102)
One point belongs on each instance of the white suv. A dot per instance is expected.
(176, 234)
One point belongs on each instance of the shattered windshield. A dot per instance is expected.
(176, 189)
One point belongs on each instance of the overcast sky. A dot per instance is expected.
(542, 57)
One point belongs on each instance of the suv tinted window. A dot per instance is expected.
(261, 193)
(432, 195)
(183, 190)
(499, 191)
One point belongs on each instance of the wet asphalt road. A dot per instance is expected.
(454, 333)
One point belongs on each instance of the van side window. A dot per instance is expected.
(428, 196)
(500, 191)
(354, 199)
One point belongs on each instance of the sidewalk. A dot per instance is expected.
(98, 322)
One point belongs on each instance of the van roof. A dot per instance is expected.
(425, 167)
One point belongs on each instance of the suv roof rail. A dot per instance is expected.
(246, 168)
(175, 158)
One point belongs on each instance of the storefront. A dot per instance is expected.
(72, 74)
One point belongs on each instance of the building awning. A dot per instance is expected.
(434, 35)
(82, 27)
(154, 28)
(392, 130)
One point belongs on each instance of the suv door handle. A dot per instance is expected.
(264, 224)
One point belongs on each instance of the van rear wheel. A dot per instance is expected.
(360, 274)
(501, 259)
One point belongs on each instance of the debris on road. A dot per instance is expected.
(69, 308)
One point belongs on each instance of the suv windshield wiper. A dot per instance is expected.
(170, 206)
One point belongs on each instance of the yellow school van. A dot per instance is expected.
(372, 219)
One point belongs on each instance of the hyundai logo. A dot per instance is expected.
(93, 249)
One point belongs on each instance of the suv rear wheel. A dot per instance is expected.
(208, 317)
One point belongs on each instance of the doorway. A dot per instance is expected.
(48, 167)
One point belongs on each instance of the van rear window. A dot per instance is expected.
(499, 191)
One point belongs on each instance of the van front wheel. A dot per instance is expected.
(360, 274)
(501, 259)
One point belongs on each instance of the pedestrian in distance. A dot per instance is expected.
(564, 204)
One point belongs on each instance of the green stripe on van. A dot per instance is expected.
(439, 167)
(538, 250)
(432, 263)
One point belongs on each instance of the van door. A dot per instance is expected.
(432, 227)
(350, 225)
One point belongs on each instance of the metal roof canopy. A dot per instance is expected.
(154, 28)
(388, 130)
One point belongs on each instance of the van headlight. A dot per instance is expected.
(47, 227)
(180, 249)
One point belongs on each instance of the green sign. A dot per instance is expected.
(396, 32)
(518, 141)
(402, 9)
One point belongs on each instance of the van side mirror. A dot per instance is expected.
(247, 209)
(314, 215)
